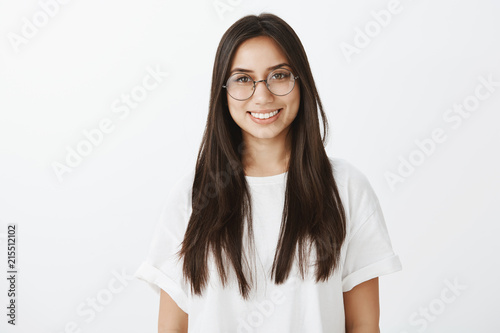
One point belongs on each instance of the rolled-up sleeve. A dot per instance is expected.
(162, 268)
(369, 253)
(368, 249)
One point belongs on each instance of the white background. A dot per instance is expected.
(74, 235)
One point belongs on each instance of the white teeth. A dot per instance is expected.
(264, 115)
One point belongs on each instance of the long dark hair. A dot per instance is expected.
(313, 211)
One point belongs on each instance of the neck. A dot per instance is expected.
(266, 157)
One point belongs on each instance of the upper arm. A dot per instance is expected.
(171, 318)
(361, 306)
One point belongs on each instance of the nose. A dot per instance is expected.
(261, 94)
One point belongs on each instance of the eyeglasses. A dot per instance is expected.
(279, 82)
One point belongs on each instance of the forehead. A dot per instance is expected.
(257, 54)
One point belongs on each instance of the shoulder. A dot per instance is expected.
(183, 183)
(176, 208)
(179, 194)
(347, 175)
(357, 194)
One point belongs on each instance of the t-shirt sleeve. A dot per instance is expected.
(162, 268)
(369, 252)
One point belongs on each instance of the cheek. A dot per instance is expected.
(230, 106)
(294, 101)
(235, 109)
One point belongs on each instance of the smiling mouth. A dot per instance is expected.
(265, 115)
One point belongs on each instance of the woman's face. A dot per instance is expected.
(257, 55)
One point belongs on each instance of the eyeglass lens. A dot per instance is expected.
(279, 82)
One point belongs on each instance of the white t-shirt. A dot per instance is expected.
(295, 306)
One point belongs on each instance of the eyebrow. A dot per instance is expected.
(250, 71)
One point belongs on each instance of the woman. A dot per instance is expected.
(267, 233)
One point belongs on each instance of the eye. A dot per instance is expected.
(242, 78)
(281, 75)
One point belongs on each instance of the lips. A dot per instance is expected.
(265, 114)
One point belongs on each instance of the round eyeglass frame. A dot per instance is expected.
(255, 83)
